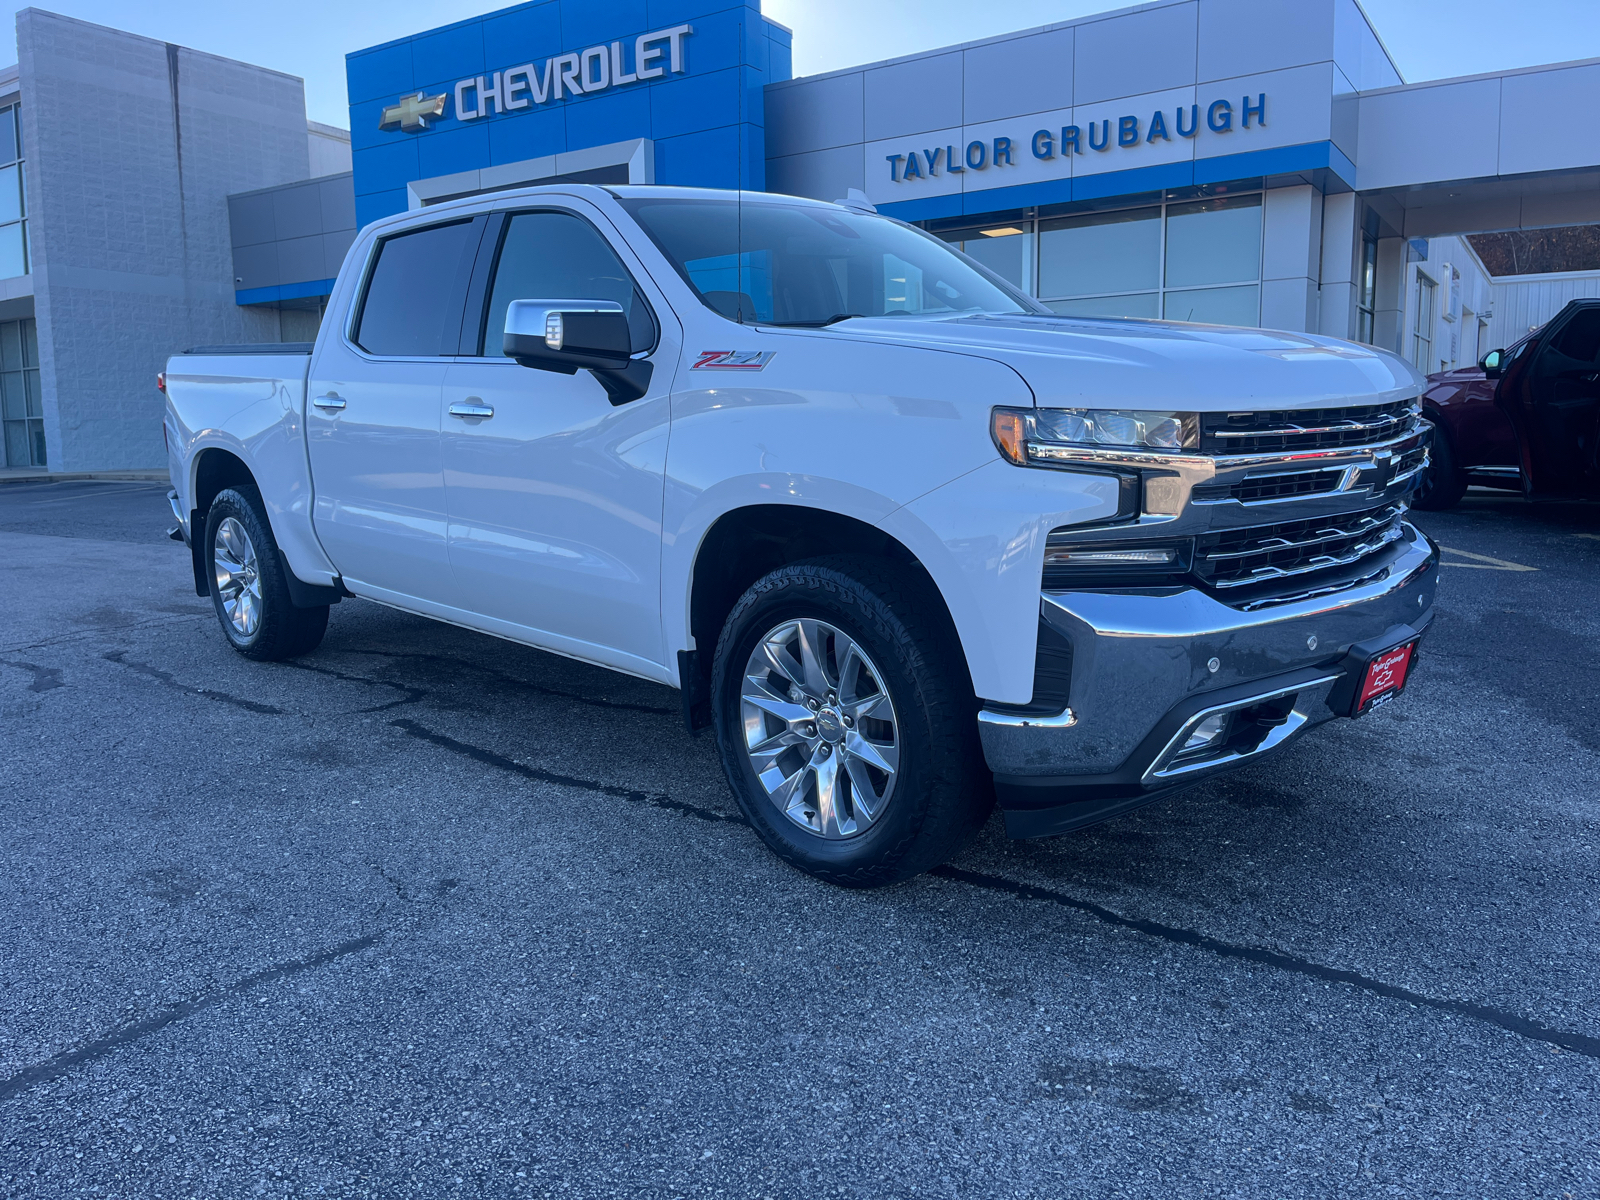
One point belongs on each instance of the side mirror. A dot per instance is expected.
(1491, 363)
(571, 335)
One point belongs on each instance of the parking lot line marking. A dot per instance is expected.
(1511, 1022)
(1483, 563)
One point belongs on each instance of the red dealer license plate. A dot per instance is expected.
(1385, 678)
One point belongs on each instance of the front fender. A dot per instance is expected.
(982, 538)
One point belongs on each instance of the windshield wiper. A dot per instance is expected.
(833, 320)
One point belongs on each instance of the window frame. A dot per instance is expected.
(1422, 343)
(1367, 296)
(13, 112)
(1161, 290)
(480, 290)
(458, 289)
(32, 426)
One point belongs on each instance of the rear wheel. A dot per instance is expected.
(1443, 483)
(846, 722)
(249, 587)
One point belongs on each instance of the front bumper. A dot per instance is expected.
(1146, 662)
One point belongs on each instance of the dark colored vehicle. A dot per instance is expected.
(1526, 418)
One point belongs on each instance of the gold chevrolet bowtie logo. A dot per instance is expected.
(412, 112)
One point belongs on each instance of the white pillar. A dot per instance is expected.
(1389, 324)
(1341, 263)
(1291, 244)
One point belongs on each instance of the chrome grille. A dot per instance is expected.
(1237, 558)
(1304, 429)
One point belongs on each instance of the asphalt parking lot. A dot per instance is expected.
(428, 914)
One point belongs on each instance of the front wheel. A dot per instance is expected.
(846, 722)
(249, 589)
(1443, 484)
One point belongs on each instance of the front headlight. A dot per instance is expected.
(1040, 435)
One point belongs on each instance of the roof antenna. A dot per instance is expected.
(857, 199)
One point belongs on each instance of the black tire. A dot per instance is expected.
(1443, 483)
(942, 791)
(281, 630)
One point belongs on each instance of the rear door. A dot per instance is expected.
(373, 411)
(1552, 396)
(554, 493)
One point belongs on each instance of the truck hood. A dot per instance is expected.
(1109, 362)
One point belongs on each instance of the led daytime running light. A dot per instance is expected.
(1024, 436)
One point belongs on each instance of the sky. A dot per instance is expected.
(1429, 39)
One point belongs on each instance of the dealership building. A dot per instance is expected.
(1247, 162)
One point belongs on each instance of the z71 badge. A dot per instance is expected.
(732, 360)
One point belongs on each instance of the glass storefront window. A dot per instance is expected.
(1194, 260)
(13, 198)
(1214, 241)
(1001, 248)
(1367, 290)
(1142, 304)
(1215, 306)
(1100, 253)
(10, 193)
(21, 402)
(13, 251)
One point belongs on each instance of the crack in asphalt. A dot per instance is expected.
(412, 693)
(120, 658)
(85, 634)
(1576, 1042)
(44, 678)
(631, 795)
(134, 1031)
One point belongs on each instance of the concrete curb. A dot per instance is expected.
(25, 476)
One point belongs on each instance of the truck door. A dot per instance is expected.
(554, 494)
(1552, 397)
(373, 402)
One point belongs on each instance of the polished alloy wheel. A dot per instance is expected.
(238, 578)
(820, 729)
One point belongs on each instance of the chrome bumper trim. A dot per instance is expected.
(1159, 771)
(1065, 719)
(1140, 653)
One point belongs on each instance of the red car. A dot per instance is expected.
(1526, 418)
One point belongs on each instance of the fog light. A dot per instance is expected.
(1207, 733)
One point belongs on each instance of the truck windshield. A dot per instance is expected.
(800, 264)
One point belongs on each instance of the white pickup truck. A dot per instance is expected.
(907, 540)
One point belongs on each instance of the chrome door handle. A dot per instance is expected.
(472, 408)
(332, 402)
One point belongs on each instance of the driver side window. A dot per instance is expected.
(559, 256)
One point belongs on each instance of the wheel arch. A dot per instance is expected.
(747, 542)
(213, 470)
(216, 468)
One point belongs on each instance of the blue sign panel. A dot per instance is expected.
(554, 76)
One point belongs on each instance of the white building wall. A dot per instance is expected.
(133, 146)
(1511, 123)
(1463, 296)
(328, 148)
(1524, 302)
(827, 133)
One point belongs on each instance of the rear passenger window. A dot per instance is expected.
(1580, 340)
(557, 256)
(413, 303)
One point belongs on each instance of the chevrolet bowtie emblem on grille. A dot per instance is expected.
(412, 112)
